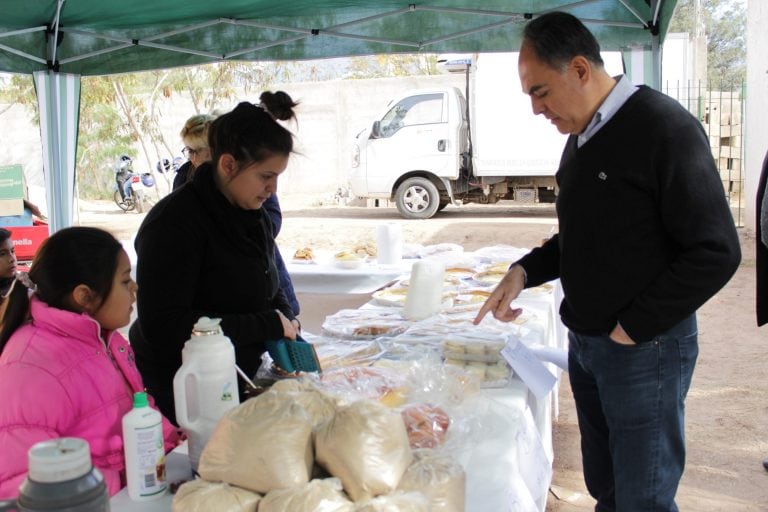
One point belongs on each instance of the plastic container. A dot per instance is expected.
(144, 451)
(205, 386)
(425, 290)
(61, 477)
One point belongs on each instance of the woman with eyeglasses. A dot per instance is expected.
(208, 250)
(196, 150)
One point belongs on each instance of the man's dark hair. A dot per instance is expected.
(558, 37)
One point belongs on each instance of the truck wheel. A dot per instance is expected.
(417, 198)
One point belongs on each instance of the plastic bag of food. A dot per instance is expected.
(202, 496)
(317, 495)
(262, 444)
(335, 354)
(478, 346)
(396, 502)
(366, 446)
(439, 477)
(489, 375)
(426, 424)
(350, 384)
(365, 323)
(319, 405)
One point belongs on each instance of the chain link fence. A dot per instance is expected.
(720, 108)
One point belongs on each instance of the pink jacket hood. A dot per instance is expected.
(60, 378)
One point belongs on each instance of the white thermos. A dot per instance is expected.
(205, 386)
(425, 290)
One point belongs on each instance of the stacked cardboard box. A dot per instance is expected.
(11, 191)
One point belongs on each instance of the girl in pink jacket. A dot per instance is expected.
(65, 371)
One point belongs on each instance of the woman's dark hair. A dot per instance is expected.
(4, 235)
(70, 257)
(250, 133)
(558, 37)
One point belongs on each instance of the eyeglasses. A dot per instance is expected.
(191, 152)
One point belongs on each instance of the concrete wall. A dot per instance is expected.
(20, 144)
(757, 101)
(330, 114)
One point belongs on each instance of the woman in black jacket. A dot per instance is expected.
(208, 250)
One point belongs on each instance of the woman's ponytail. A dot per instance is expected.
(16, 311)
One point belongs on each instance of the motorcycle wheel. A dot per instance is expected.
(125, 205)
(138, 200)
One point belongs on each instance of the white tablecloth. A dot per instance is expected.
(509, 462)
(326, 278)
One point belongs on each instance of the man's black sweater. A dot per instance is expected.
(645, 233)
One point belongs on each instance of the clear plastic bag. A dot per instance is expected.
(365, 323)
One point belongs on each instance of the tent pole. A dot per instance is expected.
(655, 47)
(58, 101)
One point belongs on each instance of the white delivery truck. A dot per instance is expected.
(428, 148)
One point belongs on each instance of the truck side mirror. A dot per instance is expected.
(376, 130)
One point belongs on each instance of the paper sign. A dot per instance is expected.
(531, 371)
(557, 356)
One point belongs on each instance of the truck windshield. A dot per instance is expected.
(413, 110)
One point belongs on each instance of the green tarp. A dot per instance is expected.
(112, 36)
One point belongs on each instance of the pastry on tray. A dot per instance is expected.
(304, 255)
(490, 277)
(348, 259)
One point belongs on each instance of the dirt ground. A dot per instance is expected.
(727, 406)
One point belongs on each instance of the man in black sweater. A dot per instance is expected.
(645, 238)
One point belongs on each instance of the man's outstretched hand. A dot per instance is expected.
(499, 302)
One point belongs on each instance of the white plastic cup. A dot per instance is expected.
(389, 244)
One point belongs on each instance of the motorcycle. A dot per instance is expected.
(131, 188)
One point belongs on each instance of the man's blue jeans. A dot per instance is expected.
(630, 405)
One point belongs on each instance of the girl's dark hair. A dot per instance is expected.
(4, 235)
(70, 257)
(251, 133)
(558, 37)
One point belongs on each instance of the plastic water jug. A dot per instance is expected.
(61, 477)
(205, 386)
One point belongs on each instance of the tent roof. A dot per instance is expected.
(112, 36)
